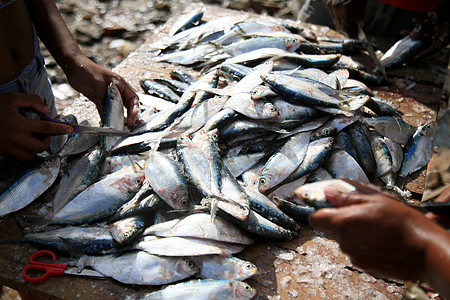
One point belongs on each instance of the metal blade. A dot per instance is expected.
(99, 130)
(84, 272)
(368, 46)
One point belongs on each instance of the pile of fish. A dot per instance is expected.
(213, 163)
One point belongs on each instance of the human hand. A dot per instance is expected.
(92, 80)
(434, 34)
(379, 233)
(19, 135)
(346, 15)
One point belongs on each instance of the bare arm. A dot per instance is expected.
(84, 75)
(387, 238)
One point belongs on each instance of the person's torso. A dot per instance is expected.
(16, 39)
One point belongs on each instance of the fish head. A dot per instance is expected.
(134, 181)
(187, 266)
(242, 290)
(270, 111)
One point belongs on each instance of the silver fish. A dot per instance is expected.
(185, 246)
(200, 225)
(224, 268)
(204, 290)
(139, 267)
(29, 187)
(165, 176)
(90, 204)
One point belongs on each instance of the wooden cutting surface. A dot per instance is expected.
(311, 266)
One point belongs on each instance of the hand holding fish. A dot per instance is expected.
(387, 238)
(92, 80)
(18, 134)
(433, 32)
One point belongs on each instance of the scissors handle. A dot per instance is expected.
(50, 269)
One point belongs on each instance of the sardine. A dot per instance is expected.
(29, 187)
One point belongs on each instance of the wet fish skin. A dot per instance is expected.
(203, 290)
(90, 204)
(200, 225)
(300, 213)
(267, 209)
(340, 164)
(29, 186)
(84, 173)
(418, 150)
(224, 268)
(125, 230)
(89, 240)
(313, 193)
(160, 90)
(284, 161)
(316, 154)
(360, 137)
(261, 227)
(165, 176)
(185, 246)
(139, 267)
(191, 20)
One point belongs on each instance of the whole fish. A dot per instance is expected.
(139, 267)
(306, 92)
(313, 193)
(204, 290)
(89, 240)
(30, 186)
(224, 268)
(200, 225)
(101, 199)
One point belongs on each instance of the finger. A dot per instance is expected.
(35, 145)
(344, 199)
(363, 187)
(132, 111)
(325, 219)
(33, 101)
(49, 128)
(130, 100)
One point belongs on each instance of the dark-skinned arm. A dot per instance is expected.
(84, 75)
(386, 237)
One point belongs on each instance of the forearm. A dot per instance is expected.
(437, 261)
(53, 32)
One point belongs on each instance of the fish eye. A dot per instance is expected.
(138, 181)
(247, 287)
(189, 264)
(248, 266)
(184, 202)
(262, 181)
(273, 109)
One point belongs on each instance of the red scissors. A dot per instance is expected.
(52, 268)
